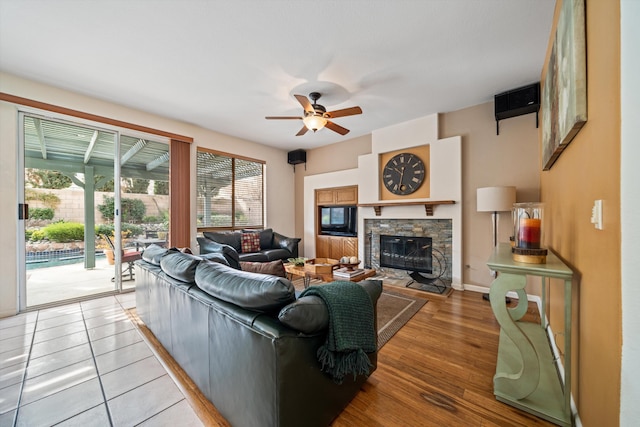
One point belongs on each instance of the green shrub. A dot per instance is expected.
(104, 229)
(130, 230)
(135, 185)
(151, 219)
(36, 235)
(41, 213)
(161, 187)
(62, 232)
(133, 210)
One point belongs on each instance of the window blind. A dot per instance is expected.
(230, 191)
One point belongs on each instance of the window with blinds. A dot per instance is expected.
(230, 191)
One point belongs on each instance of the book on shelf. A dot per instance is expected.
(344, 272)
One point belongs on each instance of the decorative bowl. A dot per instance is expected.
(349, 266)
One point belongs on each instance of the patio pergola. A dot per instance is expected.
(75, 150)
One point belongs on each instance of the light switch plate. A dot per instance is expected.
(596, 214)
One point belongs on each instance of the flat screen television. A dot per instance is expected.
(339, 220)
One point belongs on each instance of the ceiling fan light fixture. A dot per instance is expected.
(314, 121)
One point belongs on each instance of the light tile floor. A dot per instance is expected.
(84, 364)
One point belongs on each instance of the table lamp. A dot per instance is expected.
(494, 200)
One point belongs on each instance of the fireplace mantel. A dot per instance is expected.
(428, 205)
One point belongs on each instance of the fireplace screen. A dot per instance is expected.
(406, 253)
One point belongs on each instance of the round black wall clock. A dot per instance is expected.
(403, 174)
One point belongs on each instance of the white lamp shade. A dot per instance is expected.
(496, 199)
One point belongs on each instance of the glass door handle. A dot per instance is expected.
(23, 211)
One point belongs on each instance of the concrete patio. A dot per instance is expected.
(67, 282)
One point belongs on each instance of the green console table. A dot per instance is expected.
(526, 373)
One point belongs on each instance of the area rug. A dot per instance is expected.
(394, 310)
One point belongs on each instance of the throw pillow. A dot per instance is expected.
(266, 236)
(250, 242)
(154, 253)
(275, 268)
(308, 314)
(209, 246)
(180, 266)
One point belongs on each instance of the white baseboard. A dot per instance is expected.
(485, 290)
(7, 313)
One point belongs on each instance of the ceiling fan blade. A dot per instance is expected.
(283, 118)
(345, 112)
(305, 103)
(302, 131)
(336, 128)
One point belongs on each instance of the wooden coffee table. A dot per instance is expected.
(293, 270)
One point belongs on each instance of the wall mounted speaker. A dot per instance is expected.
(296, 157)
(516, 102)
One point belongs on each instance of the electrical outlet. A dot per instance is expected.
(596, 214)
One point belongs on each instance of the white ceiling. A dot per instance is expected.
(225, 65)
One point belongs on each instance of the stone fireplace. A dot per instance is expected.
(438, 230)
(403, 216)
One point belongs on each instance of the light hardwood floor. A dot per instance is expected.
(436, 371)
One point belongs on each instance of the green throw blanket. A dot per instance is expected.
(351, 333)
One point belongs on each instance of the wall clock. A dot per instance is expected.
(403, 174)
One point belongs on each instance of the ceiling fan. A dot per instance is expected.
(316, 116)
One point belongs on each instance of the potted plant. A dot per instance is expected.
(298, 262)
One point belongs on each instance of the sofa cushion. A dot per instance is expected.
(253, 257)
(180, 266)
(308, 314)
(250, 242)
(274, 254)
(209, 246)
(154, 253)
(284, 242)
(275, 268)
(254, 291)
(231, 238)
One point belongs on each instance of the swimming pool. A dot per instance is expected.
(54, 258)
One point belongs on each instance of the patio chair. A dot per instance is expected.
(129, 256)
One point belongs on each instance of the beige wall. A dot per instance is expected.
(589, 169)
(280, 210)
(330, 158)
(488, 160)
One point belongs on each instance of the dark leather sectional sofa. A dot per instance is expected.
(239, 336)
(273, 246)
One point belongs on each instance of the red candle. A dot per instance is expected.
(529, 233)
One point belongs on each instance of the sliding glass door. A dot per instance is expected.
(93, 198)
